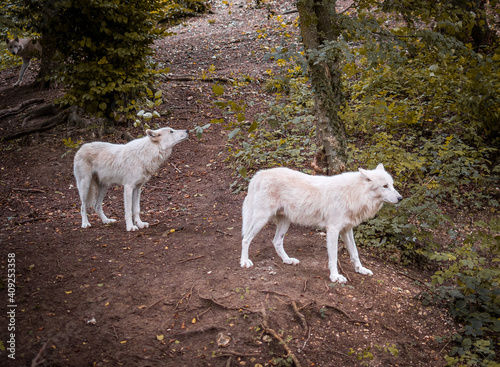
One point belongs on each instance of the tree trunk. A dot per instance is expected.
(319, 24)
(46, 63)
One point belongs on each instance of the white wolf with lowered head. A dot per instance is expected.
(99, 165)
(27, 48)
(337, 203)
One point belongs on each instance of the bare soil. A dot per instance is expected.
(174, 294)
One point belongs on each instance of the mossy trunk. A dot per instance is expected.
(319, 23)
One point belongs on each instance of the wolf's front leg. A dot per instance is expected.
(24, 67)
(127, 201)
(332, 241)
(348, 237)
(136, 208)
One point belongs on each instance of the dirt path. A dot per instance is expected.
(174, 294)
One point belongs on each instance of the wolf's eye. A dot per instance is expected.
(386, 186)
(171, 131)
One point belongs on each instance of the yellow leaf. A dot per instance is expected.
(123, 342)
(159, 337)
(193, 321)
(69, 292)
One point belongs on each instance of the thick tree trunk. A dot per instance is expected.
(318, 24)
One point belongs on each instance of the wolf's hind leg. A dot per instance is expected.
(101, 193)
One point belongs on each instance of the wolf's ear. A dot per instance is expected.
(17, 39)
(380, 167)
(7, 40)
(364, 174)
(153, 135)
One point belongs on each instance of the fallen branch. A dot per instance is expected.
(187, 78)
(185, 297)
(351, 319)
(268, 330)
(300, 316)
(20, 107)
(28, 190)
(38, 360)
(191, 259)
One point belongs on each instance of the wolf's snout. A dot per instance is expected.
(399, 198)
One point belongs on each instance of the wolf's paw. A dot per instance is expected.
(86, 225)
(364, 271)
(337, 278)
(132, 228)
(109, 221)
(142, 225)
(291, 261)
(246, 263)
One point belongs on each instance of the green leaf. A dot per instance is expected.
(253, 127)
(217, 89)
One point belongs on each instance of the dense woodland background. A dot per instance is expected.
(410, 83)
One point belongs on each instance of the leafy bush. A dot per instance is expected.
(469, 284)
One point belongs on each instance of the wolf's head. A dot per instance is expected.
(14, 45)
(167, 137)
(381, 184)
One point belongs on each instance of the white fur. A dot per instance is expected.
(337, 203)
(98, 165)
(26, 48)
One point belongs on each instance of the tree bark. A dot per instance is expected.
(319, 24)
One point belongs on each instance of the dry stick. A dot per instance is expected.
(191, 259)
(300, 316)
(268, 330)
(201, 314)
(38, 360)
(347, 315)
(28, 190)
(185, 297)
(224, 233)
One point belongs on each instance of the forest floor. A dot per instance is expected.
(174, 294)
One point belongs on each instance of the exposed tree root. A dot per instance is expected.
(274, 334)
(69, 116)
(20, 107)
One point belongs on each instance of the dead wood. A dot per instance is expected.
(29, 190)
(187, 78)
(274, 334)
(300, 316)
(39, 360)
(184, 298)
(351, 319)
(191, 259)
(20, 107)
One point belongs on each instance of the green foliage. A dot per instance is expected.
(469, 283)
(104, 46)
(365, 355)
(175, 10)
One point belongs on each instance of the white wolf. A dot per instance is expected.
(337, 203)
(98, 165)
(27, 48)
